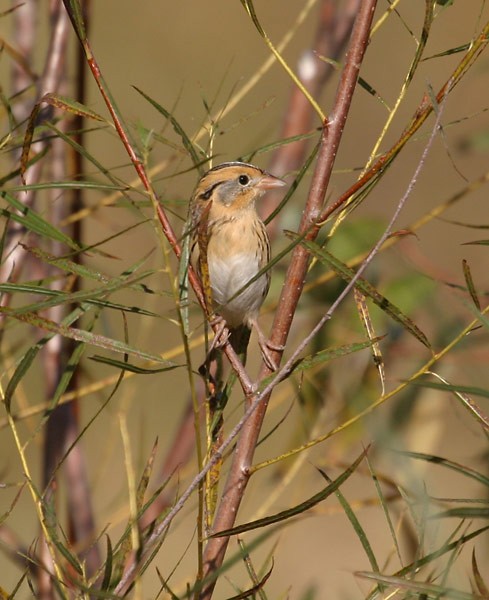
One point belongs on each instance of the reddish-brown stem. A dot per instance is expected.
(62, 428)
(51, 80)
(48, 82)
(332, 132)
(333, 30)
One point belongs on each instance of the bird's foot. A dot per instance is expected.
(267, 356)
(221, 333)
(267, 348)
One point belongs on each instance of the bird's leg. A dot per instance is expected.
(221, 334)
(266, 346)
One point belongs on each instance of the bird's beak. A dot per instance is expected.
(269, 182)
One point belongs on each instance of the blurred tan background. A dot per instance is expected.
(186, 53)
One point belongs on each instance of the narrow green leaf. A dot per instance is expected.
(92, 296)
(450, 51)
(67, 265)
(372, 91)
(280, 143)
(15, 173)
(359, 530)
(430, 558)
(427, 23)
(479, 581)
(28, 358)
(463, 512)
(323, 356)
(470, 284)
(385, 508)
(145, 477)
(187, 142)
(477, 243)
(81, 335)
(34, 222)
(63, 298)
(82, 151)
(70, 557)
(444, 462)
(366, 288)
(108, 566)
(461, 393)
(67, 375)
(251, 569)
(125, 366)
(51, 523)
(19, 374)
(428, 590)
(466, 389)
(166, 587)
(5, 232)
(74, 10)
(256, 589)
(83, 271)
(299, 508)
(72, 106)
(61, 102)
(76, 184)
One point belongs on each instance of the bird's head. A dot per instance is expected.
(235, 185)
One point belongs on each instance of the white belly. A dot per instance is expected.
(227, 277)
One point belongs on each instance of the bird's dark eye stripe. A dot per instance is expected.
(208, 193)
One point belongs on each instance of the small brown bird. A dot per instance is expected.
(230, 244)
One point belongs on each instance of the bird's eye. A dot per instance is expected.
(243, 179)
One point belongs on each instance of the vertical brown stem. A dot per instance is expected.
(63, 426)
(330, 138)
(333, 31)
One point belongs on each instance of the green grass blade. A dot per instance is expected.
(187, 143)
(449, 464)
(359, 530)
(299, 508)
(32, 221)
(367, 289)
(80, 335)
